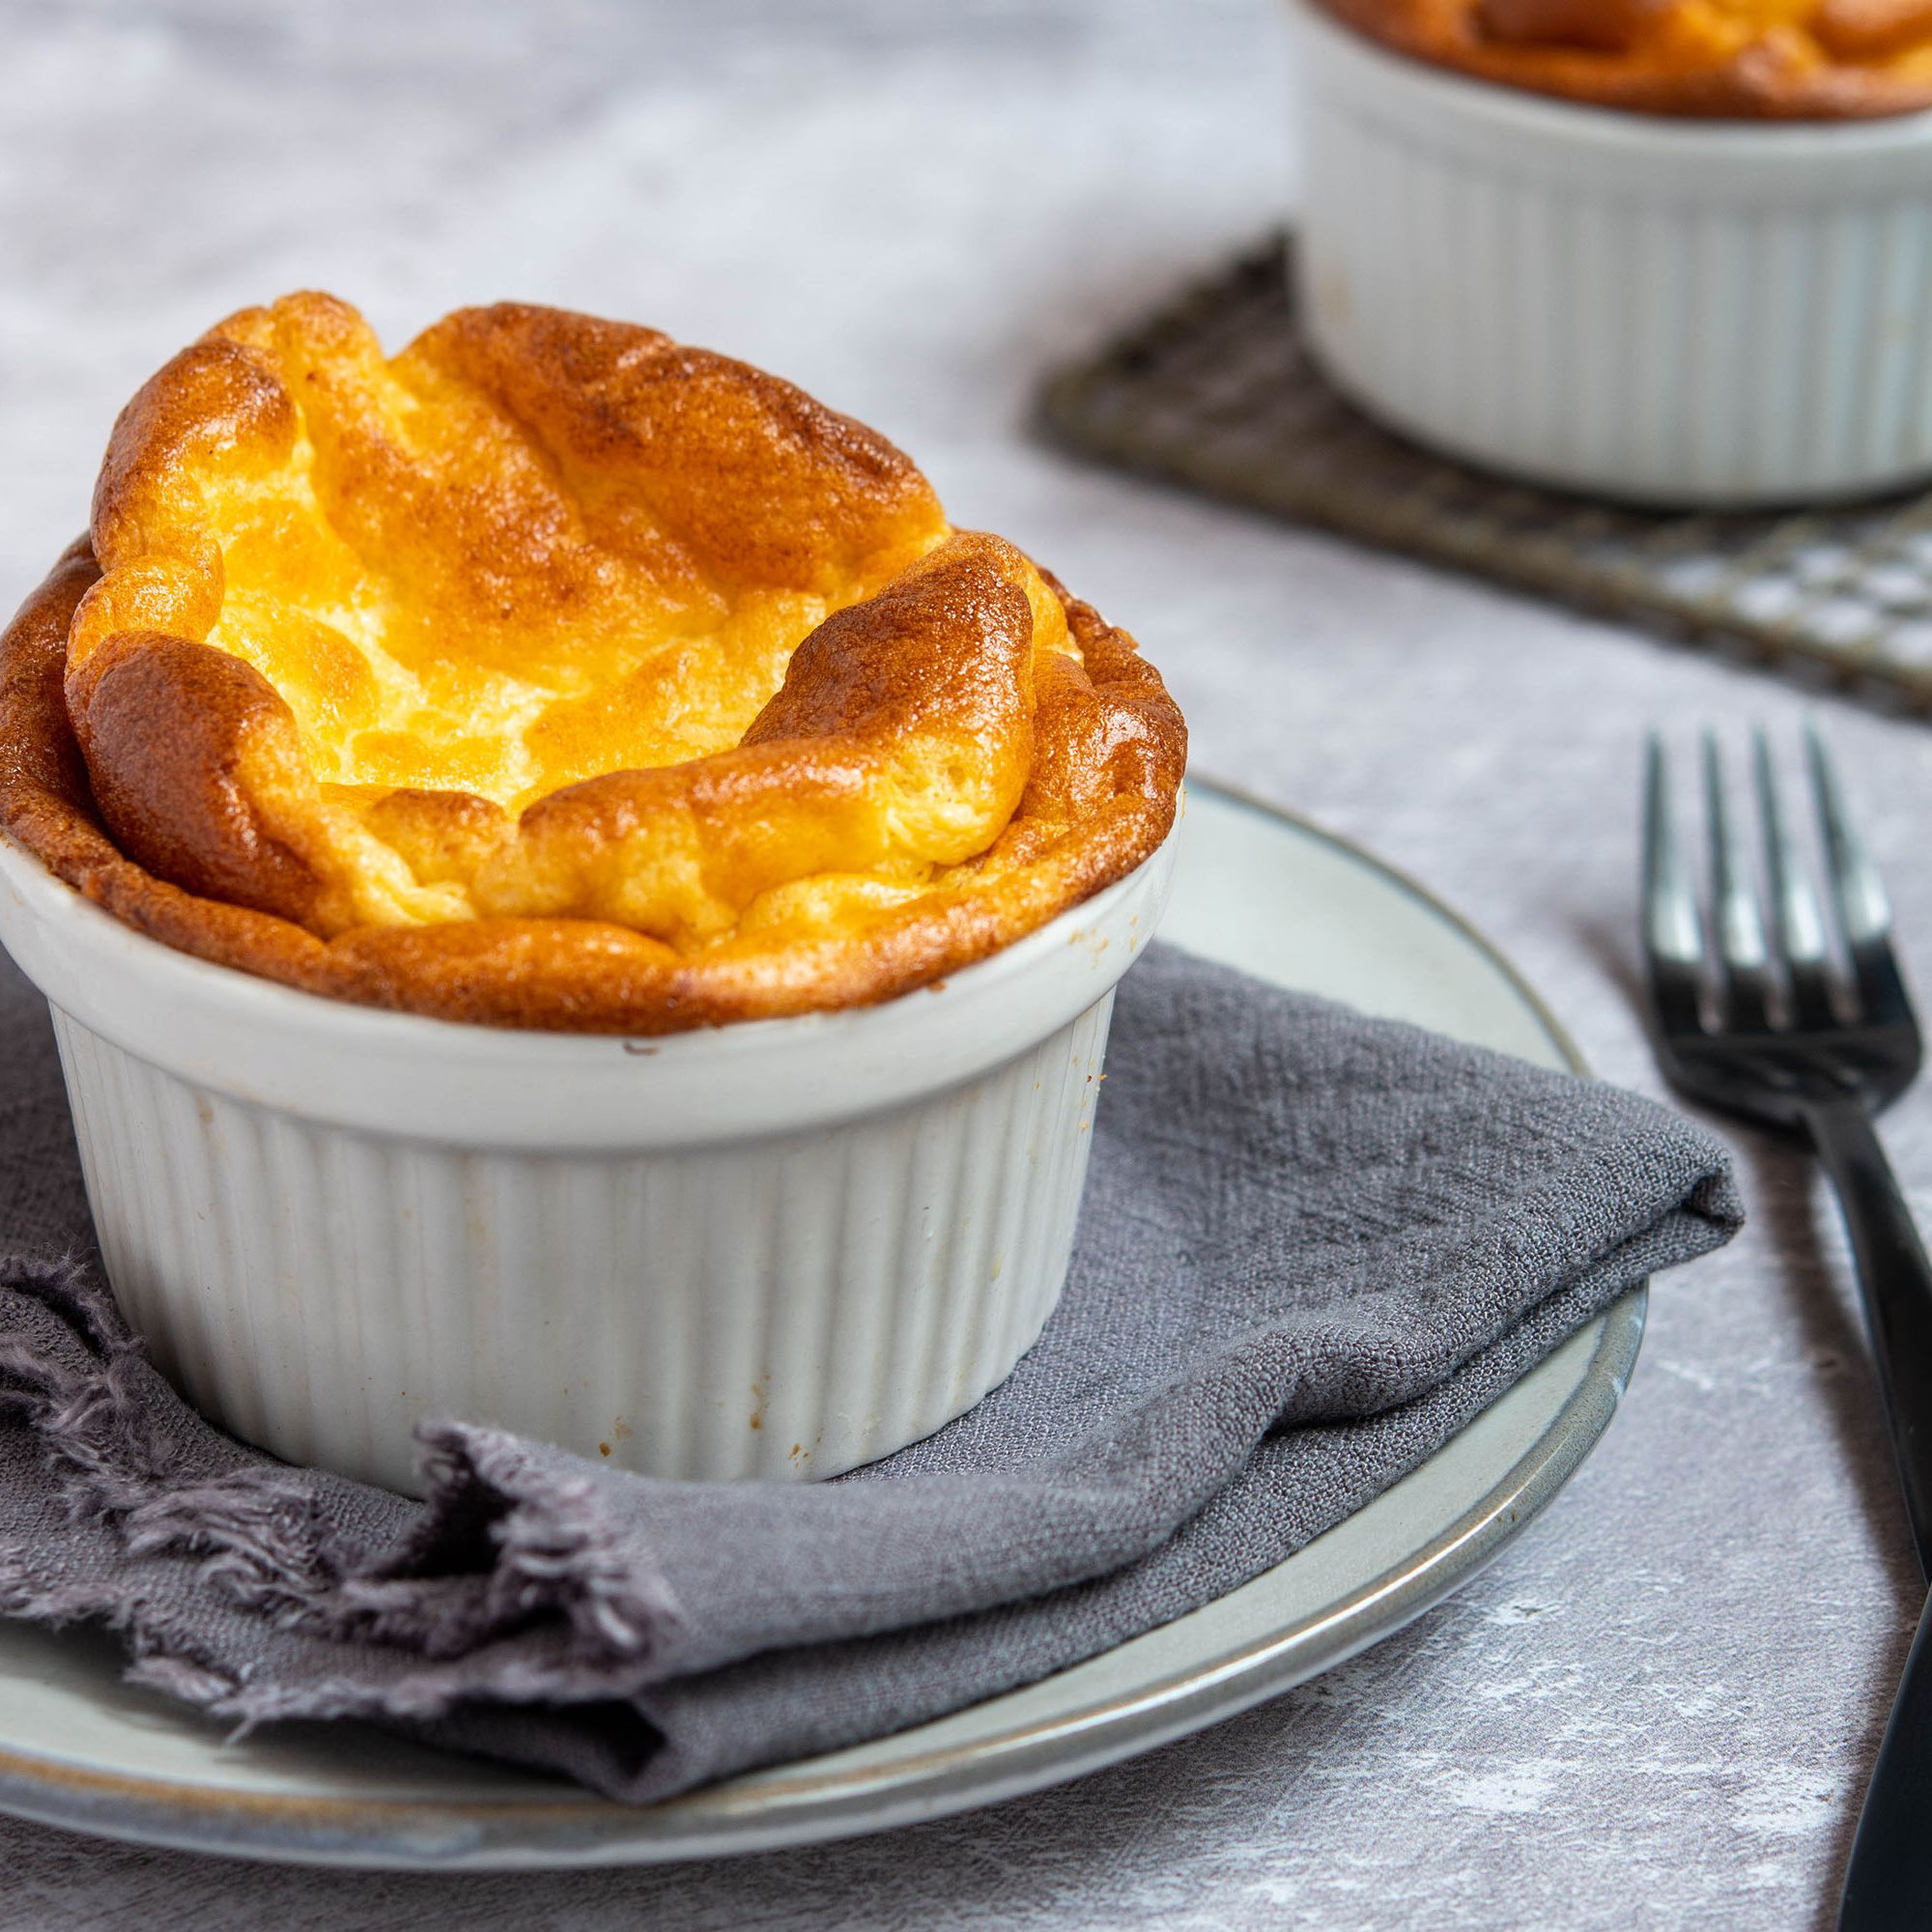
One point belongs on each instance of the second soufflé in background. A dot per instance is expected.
(1777, 59)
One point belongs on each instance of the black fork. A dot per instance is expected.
(1757, 1016)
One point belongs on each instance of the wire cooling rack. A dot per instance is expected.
(1217, 391)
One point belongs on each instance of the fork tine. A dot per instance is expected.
(1738, 920)
(1673, 933)
(1865, 913)
(1797, 919)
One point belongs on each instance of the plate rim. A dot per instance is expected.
(770, 1808)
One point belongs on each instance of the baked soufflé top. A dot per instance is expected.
(554, 674)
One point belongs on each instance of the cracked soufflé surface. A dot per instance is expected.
(552, 674)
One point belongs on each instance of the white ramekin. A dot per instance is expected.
(1676, 312)
(770, 1250)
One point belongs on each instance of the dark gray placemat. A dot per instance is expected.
(1216, 390)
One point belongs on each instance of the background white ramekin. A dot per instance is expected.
(1678, 312)
(775, 1250)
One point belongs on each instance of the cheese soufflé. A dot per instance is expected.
(554, 674)
(1753, 59)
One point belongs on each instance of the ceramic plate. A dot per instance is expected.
(1256, 889)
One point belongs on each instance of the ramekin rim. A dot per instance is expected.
(95, 924)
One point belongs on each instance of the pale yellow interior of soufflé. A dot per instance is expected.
(473, 590)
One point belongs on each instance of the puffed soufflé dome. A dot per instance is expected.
(556, 674)
(1764, 59)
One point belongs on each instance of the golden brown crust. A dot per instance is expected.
(159, 707)
(555, 675)
(1788, 60)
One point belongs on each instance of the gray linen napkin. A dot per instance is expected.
(1313, 1246)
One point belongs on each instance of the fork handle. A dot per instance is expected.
(1889, 1882)
(1895, 1284)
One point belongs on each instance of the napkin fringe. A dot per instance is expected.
(256, 1528)
(501, 1545)
(493, 1556)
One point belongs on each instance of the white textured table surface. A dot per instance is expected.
(1658, 1707)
